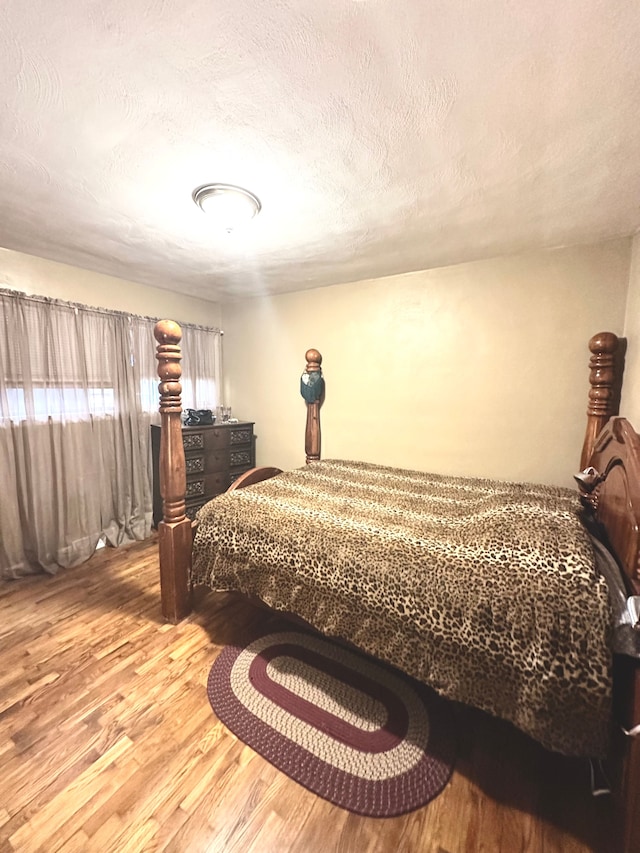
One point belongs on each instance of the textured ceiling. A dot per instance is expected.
(381, 136)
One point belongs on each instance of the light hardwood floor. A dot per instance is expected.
(108, 742)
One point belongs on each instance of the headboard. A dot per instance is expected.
(611, 487)
(609, 481)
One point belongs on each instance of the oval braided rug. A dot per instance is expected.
(348, 728)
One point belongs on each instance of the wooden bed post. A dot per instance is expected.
(312, 379)
(174, 531)
(602, 377)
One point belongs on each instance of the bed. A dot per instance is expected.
(529, 621)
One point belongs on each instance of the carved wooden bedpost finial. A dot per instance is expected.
(312, 389)
(168, 335)
(602, 378)
(174, 530)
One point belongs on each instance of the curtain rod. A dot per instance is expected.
(94, 309)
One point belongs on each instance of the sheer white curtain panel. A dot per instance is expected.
(78, 392)
(74, 440)
(201, 368)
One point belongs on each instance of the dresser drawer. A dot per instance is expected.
(205, 463)
(206, 440)
(195, 464)
(240, 435)
(192, 440)
(240, 458)
(207, 484)
(216, 460)
(216, 439)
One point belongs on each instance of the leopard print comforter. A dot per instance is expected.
(487, 591)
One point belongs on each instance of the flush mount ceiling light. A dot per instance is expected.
(227, 205)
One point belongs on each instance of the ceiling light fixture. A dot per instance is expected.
(227, 205)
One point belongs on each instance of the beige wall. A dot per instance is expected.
(630, 404)
(476, 369)
(48, 278)
(470, 369)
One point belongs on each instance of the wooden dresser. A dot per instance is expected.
(215, 456)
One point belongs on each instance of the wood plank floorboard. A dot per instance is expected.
(108, 742)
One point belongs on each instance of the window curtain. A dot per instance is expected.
(78, 392)
(202, 368)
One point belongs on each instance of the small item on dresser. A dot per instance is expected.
(198, 417)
